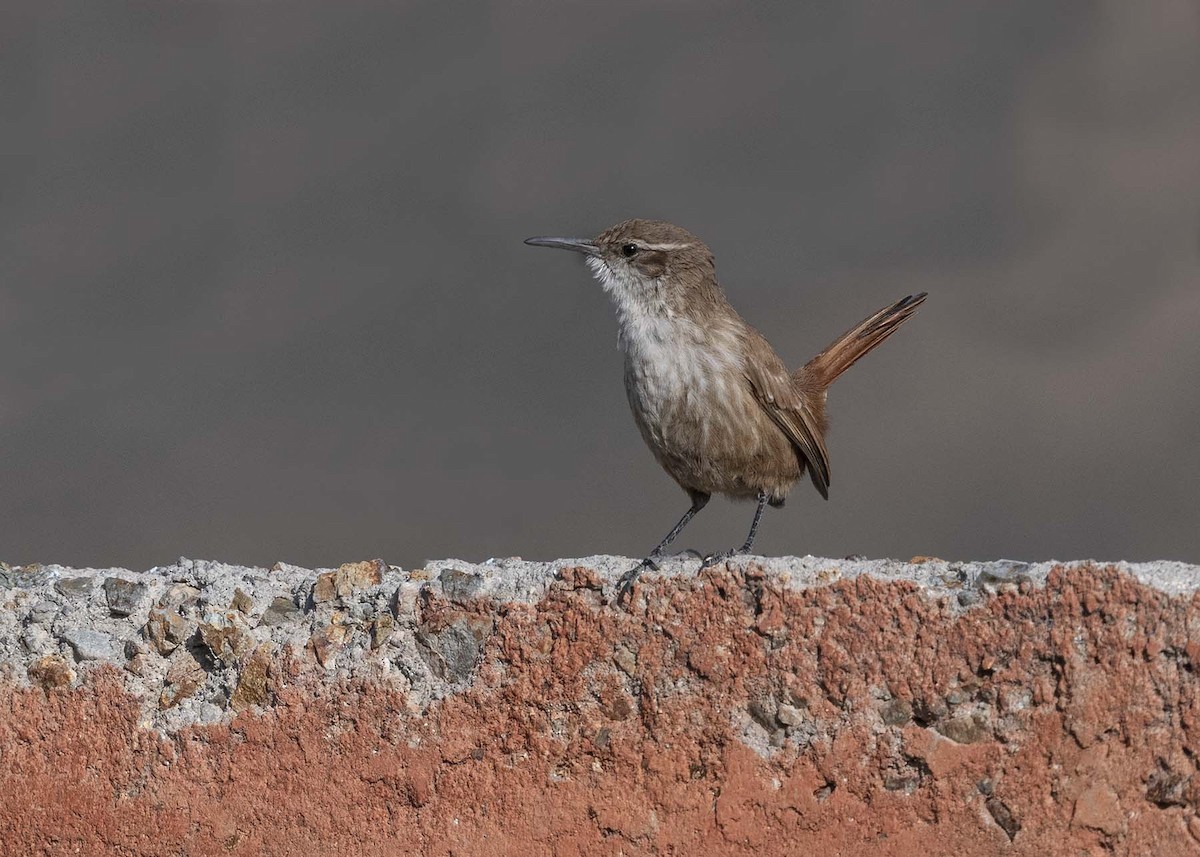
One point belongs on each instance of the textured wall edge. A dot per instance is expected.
(777, 704)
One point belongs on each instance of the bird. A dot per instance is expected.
(715, 404)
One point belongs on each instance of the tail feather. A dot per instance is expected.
(845, 351)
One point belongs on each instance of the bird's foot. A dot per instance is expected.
(717, 558)
(625, 584)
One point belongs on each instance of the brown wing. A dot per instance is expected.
(773, 387)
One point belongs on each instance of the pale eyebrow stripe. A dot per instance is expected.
(665, 246)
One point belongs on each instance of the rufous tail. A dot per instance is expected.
(865, 336)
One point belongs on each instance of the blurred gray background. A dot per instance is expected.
(263, 294)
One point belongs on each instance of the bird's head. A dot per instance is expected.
(646, 265)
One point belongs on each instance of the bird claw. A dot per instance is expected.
(715, 558)
(625, 584)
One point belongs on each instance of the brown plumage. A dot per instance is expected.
(713, 401)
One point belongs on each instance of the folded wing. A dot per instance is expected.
(775, 392)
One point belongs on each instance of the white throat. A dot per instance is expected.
(643, 316)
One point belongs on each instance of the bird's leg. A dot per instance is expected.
(762, 503)
(699, 501)
(713, 559)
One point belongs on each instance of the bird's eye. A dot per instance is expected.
(629, 250)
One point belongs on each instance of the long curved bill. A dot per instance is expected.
(579, 245)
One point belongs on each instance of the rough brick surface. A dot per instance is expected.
(733, 712)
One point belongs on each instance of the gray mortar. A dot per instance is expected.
(87, 617)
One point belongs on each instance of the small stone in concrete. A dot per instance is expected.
(123, 595)
(381, 629)
(967, 729)
(76, 587)
(91, 645)
(901, 780)
(135, 654)
(762, 710)
(788, 715)
(930, 710)
(324, 589)
(896, 713)
(179, 595)
(252, 687)
(51, 672)
(1165, 788)
(183, 679)
(43, 612)
(327, 642)
(353, 576)
(453, 650)
(346, 580)
(459, 586)
(1003, 816)
(403, 603)
(1002, 578)
(625, 660)
(25, 576)
(280, 612)
(225, 636)
(241, 601)
(166, 630)
(36, 639)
